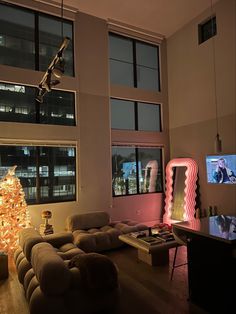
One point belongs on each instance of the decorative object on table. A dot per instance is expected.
(163, 232)
(46, 228)
(3, 265)
(197, 213)
(14, 213)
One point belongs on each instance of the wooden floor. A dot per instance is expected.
(148, 290)
(144, 289)
(12, 298)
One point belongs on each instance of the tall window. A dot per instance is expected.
(50, 39)
(132, 115)
(47, 174)
(136, 170)
(18, 104)
(134, 63)
(29, 39)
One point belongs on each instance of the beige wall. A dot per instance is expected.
(191, 97)
(92, 136)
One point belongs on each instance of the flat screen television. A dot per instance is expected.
(221, 169)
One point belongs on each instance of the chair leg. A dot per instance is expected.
(173, 265)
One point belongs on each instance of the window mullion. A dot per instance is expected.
(37, 153)
(136, 115)
(137, 170)
(134, 64)
(36, 40)
(50, 172)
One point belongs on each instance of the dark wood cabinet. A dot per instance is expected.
(211, 266)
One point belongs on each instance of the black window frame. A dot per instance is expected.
(136, 127)
(38, 106)
(134, 41)
(38, 178)
(137, 170)
(36, 31)
(209, 25)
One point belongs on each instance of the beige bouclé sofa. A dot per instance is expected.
(60, 278)
(95, 232)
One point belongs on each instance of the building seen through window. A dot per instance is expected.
(47, 174)
(136, 170)
(18, 104)
(29, 39)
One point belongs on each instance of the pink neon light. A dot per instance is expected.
(190, 187)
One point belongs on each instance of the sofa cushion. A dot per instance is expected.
(96, 271)
(68, 250)
(97, 240)
(58, 239)
(87, 220)
(50, 270)
(129, 226)
(28, 237)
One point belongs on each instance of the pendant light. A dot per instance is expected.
(218, 143)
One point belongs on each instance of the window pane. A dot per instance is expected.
(124, 173)
(17, 37)
(57, 174)
(58, 108)
(150, 170)
(122, 114)
(17, 103)
(50, 40)
(147, 58)
(147, 55)
(121, 73)
(47, 174)
(149, 117)
(121, 48)
(121, 61)
(24, 158)
(207, 30)
(147, 78)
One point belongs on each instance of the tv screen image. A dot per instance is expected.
(223, 226)
(221, 169)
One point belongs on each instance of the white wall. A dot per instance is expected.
(191, 97)
(92, 136)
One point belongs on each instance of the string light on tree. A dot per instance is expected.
(14, 213)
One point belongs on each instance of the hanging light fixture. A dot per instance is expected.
(218, 143)
(55, 69)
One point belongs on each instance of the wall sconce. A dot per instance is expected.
(55, 69)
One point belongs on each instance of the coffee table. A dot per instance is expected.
(152, 254)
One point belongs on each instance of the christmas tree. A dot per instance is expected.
(13, 211)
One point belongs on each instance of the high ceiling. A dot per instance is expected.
(160, 16)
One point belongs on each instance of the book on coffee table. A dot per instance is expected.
(166, 236)
(139, 234)
(151, 240)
